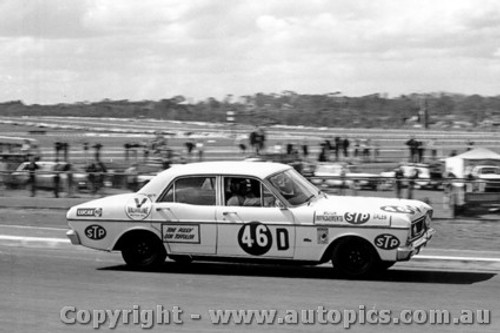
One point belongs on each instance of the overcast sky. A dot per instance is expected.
(55, 51)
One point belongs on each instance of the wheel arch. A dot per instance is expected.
(327, 254)
(124, 238)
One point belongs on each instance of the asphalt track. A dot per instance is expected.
(41, 273)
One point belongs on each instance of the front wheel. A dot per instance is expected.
(384, 265)
(354, 257)
(144, 251)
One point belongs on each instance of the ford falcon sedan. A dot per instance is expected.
(250, 211)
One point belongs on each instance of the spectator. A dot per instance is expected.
(345, 146)
(101, 171)
(189, 147)
(431, 145)
(322, 155)
(95, 176)
(366, 149)
(398, 178)
(200, 146)
(97, 151)
(338, 147)
(376, 150)
(305, 149)
(411, 183)
(257, 139)
(261, 138)
(3, 173)
(68, 169)
(32, 167)
(91, 177)
(57, 179)
(356, 147)
(420, 151)
(412, 147)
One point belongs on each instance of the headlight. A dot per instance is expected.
(428, 221)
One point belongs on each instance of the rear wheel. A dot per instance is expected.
(144, 251)
(354, 257)
(182, 259)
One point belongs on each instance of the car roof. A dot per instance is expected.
(258, 169)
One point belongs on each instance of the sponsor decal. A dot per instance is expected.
(407, 209)
(386, 242)
(89, 212)
(256, 239)
(138, 207)
(328, 217)
(380, 217)
(95, 232)
(356, 218)
(181, 233)
(322, 235)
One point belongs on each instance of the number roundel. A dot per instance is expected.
(255, 238)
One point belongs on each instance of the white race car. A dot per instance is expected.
(247, 211)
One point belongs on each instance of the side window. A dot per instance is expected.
(241, 191)
(169, 195)
(192, 190)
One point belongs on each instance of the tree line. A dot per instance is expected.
(289, 108)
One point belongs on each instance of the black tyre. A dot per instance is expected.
(384, 265)
(183, 260)
(144, 251)
(354, 257)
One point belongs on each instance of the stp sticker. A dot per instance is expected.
(138, 207)
(95, 232)
(386, 242)
(356, 218)
(181, 233)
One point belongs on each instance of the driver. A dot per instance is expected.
(241, 194)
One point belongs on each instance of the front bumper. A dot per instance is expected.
(73, 237)
(405, 253)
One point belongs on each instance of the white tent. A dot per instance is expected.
(478, 156)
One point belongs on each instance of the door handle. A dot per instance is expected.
(229, 213)
(158, 209)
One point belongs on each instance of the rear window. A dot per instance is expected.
(191, 190)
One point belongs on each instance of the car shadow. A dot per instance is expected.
(312, 272)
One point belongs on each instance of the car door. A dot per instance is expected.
(260, 228)
(185, 214)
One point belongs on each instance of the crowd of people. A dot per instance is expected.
(329, 149)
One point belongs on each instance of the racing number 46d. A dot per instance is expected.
(256, 239)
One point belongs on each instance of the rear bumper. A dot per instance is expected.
(73, 237)
(405, 253)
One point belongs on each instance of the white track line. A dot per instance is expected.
(49, 240)
(15, 226)
(456, 258)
